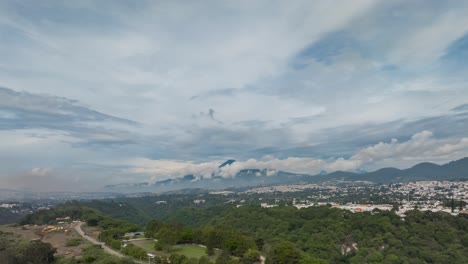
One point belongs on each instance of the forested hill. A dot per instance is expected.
(310, 235)
(338, 236)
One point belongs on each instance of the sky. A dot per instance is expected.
(94, 93)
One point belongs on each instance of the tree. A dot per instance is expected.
(190, 261)
(92, 222)
(224, 258)
(204, 260)
(134, 251)
(167, 236)
(210, 250)
(37, 252)
(177, 259)
(186, 236)
(284, 252)
(250, 257)
(260, 243)
(392, 259)
(152, 228)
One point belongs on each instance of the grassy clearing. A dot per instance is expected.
(147, 245)
(190, 251)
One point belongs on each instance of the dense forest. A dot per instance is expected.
(288, 235)
(322, 234)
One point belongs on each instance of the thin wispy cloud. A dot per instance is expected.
(26, 111)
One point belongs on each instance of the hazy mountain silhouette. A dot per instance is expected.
(454, 170)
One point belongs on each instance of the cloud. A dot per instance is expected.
(215, 93)
(461, 108)
(23, 110)
(144, 55)
(161, 169)
(96, 84)
(45, 180)
(430, 42)
(310, 166)
(40, 172)
(41, 104)
(421, 146)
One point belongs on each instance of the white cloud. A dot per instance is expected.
(429, 42)
(40, 172)
(421, 146)
(175, 48)
(146, 64)
(161, 169)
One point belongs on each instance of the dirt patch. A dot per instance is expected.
(57, 238)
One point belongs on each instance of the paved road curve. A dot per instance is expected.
(94, 241)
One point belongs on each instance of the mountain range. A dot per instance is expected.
(455, 170)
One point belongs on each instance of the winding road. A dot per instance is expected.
(116, 253)
(104, 246)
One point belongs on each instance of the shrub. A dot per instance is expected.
(73, 242)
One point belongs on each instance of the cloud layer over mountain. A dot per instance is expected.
(420, 147)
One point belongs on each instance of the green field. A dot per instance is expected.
(190, 251)
(147, 245)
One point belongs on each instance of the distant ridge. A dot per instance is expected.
(455, 170)
(426, 171)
